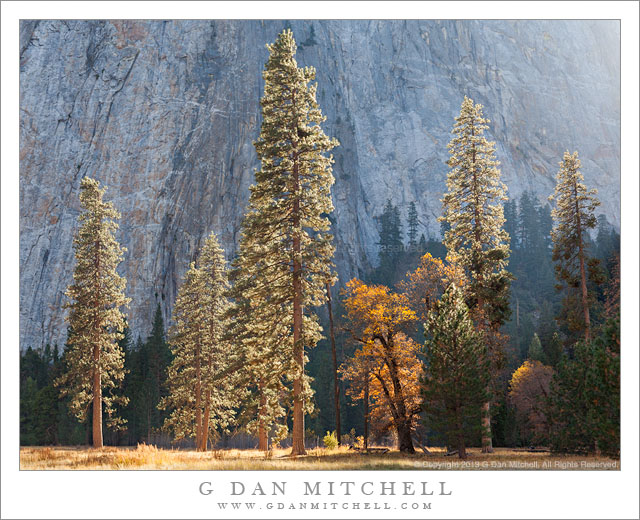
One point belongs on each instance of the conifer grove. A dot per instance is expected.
(500, 329)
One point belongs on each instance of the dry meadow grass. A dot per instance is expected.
(151, 458)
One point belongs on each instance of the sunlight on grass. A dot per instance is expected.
(150, 457)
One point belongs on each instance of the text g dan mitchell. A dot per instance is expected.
(326, 488)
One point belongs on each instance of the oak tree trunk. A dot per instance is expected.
(405, 443)
(366, 412)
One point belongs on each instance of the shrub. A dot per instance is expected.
(330, 440)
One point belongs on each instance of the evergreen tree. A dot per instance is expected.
(122, 409)
(154, 357)
(535, 350)
(554, 351)
(473, 209)
(573, 217)
(528, 222)
(199, 399)
(546, 225)
(39, 399)
(457, 370)
(287, 217)
(603, 388)
(546, 323)
(422, 244)
(585, 396)
(412, 225)
(28, 396)
(95, 361)
(334, 358)
(548, 334)
(390, 243)
(511, 223)
(607, 240)
(263, 340)
(135, 412)
(612, 290)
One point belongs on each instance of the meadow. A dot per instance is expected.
(144, 457)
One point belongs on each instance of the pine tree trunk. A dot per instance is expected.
(585, 300)
(336, 386)
(298, 354)
(205, 422)
(198, 401)
(462, 452)
(583, 274)
(263, 440)
(97, 399)
(487, 446)
(487, 442)
(298, 347)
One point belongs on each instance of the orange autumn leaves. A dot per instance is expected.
(387, 361)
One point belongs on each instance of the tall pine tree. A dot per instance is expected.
(199, 399)
(574, 217)
(95, 361)
(473, 210)
(457, 370)
(291, 247)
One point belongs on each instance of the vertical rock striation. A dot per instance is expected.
(165, 112)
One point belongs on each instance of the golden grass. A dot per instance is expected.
(151, 458)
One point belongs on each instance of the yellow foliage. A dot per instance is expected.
(429, 280)
(387, 361)
(528, 389)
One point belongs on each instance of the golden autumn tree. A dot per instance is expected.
(528, 392)
(370, 380)
(378, 320)
(428, 281)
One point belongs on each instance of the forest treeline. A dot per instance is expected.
(503, 330)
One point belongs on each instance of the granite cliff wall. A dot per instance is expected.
(164, 113)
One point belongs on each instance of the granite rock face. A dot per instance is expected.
(165, 112)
